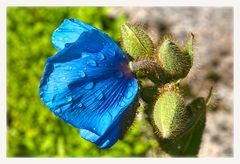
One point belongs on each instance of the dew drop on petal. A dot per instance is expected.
(112, 53)
(89, 86)
(129, 95)
(91, 63)
(67, 44)
(54, 98)
(122, 103)
(135, 88)
(69, 98)
(70, 67)
(130, 84)
(49, 103)
(85, 54)
(81, 74)
(45, 87)
(58, 111)
(101, 56)
(80, 105)
(109, 114)
(41, 93)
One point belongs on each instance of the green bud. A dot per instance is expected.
(169, 115)
(135, 41)
(174, 61)
(188, 48)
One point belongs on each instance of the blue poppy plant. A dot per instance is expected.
(88, 83)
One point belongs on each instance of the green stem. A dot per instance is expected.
(150, 69)
(208, 100)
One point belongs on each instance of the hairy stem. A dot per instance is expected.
(150, 69)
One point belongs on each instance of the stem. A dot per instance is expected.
(151, 69)
(144, 65)
(208, 100)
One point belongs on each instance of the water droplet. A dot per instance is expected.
(60, 39)
(80, 105)
(129, 94)
(63, 77)
(70, 67)
(101, 56)
(58, 111)
(81, 74)
(54, 98)
(69, 98)
(135, 88)
(89, 86)
(41, 93)
(48, 103)
(91, 63)
(85, 54)
(45, 87)
(129, 84)
(119, 74)
(67, 44)
(99, 94)
(122, 104)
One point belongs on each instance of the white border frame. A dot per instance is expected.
(135, 3)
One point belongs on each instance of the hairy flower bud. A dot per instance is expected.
(135, 41)
(169, 113)
(174, 61)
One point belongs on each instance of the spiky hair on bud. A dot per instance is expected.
(135, 41)
(169, 115)
(176, 62)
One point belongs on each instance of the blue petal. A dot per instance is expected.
(106, 140)
(68, 32)
(88, 84)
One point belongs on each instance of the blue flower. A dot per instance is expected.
(88, 83)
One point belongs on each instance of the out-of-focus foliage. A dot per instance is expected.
(32, 130)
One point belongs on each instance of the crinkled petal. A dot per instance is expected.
(68, 32)
(105, 141)
(88, 84)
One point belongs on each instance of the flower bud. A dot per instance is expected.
(174, 61)
(135, 41)
(169, 114)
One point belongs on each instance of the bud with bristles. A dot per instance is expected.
(135, 41)
(169, 116)
(188, 47)
(174, 61)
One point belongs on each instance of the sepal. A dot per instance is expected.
(136, 42)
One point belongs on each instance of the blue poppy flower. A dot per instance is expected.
(88, 83)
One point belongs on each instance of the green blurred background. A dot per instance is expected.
(33, 130)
